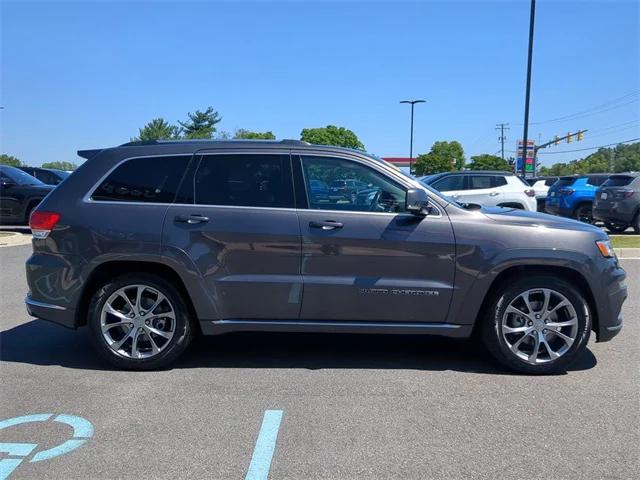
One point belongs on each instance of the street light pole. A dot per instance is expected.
(528, 92)
(412, 102)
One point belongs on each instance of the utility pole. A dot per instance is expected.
(412, 102)
(525, 134)
(502, 127)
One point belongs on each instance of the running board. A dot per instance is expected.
(216, 327)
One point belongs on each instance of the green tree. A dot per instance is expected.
(443, 157)
(201, 124)
(9, 160)
(621, 158)
(488, 162)
(331, 135)
(60, 165)
(248, 134)
(158, 129)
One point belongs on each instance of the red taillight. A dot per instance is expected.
(626, 193)
(530, 192)
(41, 223)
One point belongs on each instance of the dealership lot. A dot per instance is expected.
(353, 406)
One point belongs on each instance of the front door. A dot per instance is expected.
(238, 225)
(364, 258)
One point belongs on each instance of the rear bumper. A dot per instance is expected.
(613, 214)
(50, 312)
(556, 209)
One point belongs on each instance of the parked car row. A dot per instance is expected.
(613, 199)
(20, 193)
(487, 188)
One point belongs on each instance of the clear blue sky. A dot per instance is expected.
(89, 74)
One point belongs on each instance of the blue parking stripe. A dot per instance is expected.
(265, 446)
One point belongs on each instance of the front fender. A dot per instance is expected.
(476, 273)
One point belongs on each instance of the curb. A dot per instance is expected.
(627, 253)
(14, 239)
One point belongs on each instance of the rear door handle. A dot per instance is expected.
(326, 225)
(493, 194)
(191, 219)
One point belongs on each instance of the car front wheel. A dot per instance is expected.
(139, 322)
(537, 325)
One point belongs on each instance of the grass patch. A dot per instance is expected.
(625, 241)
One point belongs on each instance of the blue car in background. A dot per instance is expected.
(319, 190)
(573, 196)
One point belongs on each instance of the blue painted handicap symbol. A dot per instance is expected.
(82, 431)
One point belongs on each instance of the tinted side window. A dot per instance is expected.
(367, 190)
(498, 181)
(146, 179)
(448, 183)
(550, 181)
(477, 182)
(596, 181)
(245, 180)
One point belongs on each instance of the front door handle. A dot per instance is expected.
(326, 225)
(493, 194)
(191, 219)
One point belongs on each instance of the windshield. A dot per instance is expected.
(20, 177)
(61, 174)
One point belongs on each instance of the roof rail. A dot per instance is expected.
(137, 143)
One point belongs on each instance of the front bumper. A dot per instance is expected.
(608, 303)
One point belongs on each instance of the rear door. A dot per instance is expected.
(238, 225)
(481, 189)
(451, 185)
(370, 260)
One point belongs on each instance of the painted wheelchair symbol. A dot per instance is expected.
(82, 431)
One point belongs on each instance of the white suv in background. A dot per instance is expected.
(541, 186)
(487, 188)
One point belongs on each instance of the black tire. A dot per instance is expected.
(494, 341)
(636, 224)
(616, 227)
(182, 336)
(584, 213)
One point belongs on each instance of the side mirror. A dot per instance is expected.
(417, 202)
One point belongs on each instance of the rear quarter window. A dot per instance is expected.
(565, 182)
(144, 179)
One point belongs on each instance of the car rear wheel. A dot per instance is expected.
(537, 325)
(616, 227)
(584, 213)
(139, 322)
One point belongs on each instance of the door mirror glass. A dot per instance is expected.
(417, 202)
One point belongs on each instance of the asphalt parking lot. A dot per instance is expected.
(365, 407)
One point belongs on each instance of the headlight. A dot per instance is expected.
(605, 248)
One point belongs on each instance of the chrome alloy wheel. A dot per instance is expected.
(137, 321)
(539, 325)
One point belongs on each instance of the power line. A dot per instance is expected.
(601, 108)
(591, 148)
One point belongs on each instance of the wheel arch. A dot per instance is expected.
(568, 274)
(111, 269)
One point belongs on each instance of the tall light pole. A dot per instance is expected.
(412, 102)
(525, 134)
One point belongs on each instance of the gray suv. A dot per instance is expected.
(149, 244)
